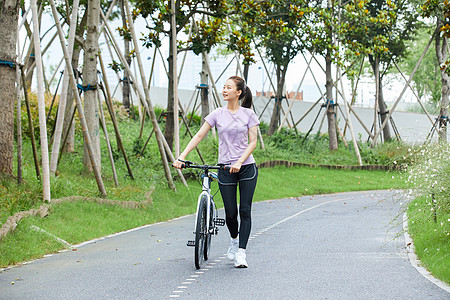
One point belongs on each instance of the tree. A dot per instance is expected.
(440, 9)
(322, 32)
(9, 14)
(158, 13)
(274, 27)
(380, 29)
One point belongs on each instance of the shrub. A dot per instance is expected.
(429, 177)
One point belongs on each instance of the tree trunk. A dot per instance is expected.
(126, 81)
(383, 111)
(281, 80)
(441, 54)
(90, 79)
(331, 111)
(246, 69)
(204, 90)
(69, 145)
(9, 12)
(382, 107)
(279, 96)
(69, 123)
(169, 130)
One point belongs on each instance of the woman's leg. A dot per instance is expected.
(246, 191)
(228, 193)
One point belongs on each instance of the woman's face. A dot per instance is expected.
(230, 91)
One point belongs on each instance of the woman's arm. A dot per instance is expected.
(252, 134)
(192, 144)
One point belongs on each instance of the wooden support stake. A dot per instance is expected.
(30, 124)
(296, 93)
(108, 143)
(63, 97)
(19, 127)
(148, 104)
(86, 135)
(110, 106)
(41, 104)
(349, 122)
(415, 94)
(404, 89)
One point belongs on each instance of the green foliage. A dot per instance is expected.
(287, 145)
(439, 10)
(204, 34)
(379, 28)
(274, 26)
(35, 115)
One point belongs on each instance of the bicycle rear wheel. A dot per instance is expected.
(200, 233)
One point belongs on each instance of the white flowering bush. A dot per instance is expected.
(429, 179)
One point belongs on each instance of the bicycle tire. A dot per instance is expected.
(208, 234)
(200, 234)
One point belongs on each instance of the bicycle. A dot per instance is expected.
(207, 219)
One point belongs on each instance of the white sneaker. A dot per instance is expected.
(234, 246)
(240, 261)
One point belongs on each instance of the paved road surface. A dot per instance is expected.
(340, 246)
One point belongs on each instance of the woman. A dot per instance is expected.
(237, 128)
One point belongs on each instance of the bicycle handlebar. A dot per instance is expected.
(190, 164)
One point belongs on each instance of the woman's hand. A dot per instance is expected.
(236, 167)
(178, 164)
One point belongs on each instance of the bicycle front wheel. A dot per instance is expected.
(200, 233)
(209, 234)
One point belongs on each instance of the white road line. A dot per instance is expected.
(299, 213)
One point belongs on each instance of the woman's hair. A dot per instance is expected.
(246, 94)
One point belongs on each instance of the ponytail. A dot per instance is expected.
(248, 99)
(246, 94)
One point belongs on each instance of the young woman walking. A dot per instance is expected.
(236, 124)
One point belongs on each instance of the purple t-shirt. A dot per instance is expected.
(233, 132)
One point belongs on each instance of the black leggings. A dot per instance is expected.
(228, 183)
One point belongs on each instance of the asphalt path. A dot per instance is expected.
(338, 246)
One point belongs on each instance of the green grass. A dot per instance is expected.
(313, 181)
(431, 237)
(81, 221)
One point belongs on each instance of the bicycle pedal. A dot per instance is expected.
(190, 243)
(219, 222)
